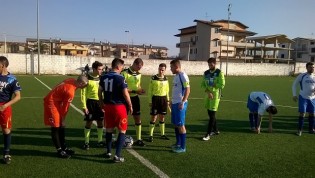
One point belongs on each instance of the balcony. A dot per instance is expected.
(238, 44)
(185, 44)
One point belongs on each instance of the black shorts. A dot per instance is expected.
(159, 105)
(135, 101)
(95, 111)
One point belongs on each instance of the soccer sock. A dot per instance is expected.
(251, 120)
(62, 138)
(211, 115)
(138, 131)
(151, 128)
(109, 137)
(120, 143)
(301, 123)
(311, 123)
(162, 127)
(87, 132)
(55, 137)
(178, 142)
(256, 120)
(7, 143)
(100, 134)
(183, 140)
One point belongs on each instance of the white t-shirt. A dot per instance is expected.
(263, 100)
(180, 83)
(307, 85)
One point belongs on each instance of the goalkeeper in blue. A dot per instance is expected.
(306, 98)
(158, 101)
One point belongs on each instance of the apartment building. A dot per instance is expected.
(303, 49)
(12, 47)
(230, 41)
(101, 49)
(219, 39)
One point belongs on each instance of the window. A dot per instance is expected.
(195, 50)
(312, 43)
(79, 52)
(312, 59)
(283, 46)
(216, 30)
(190, 51)
(67, 53)
(230, 38)
(299, 55)
(313, 50)
(282, 56)
(216, 43)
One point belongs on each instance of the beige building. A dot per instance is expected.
(12, 47)
(219, 39)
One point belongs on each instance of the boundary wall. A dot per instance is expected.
(64, 65)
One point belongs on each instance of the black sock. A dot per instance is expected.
(62, 138)
(120, 143)
(55, 137)
(7, 143)
(109, 137)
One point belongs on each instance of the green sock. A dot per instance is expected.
(162, 128)
(87, 135)
(138, 132)
(151, 128)
(100, 134)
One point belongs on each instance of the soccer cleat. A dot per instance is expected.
(86, 146)
(101, 145)
(7, 159)
(299, 133)
(63, 154)
(108, 155)
(311, 132)
(118, 159)
(217, 132)
(179, 150)
(139, 143)
(212, 134)
(206, 137)
(150, 139)
(69, 151)
(253, 129)
(164, 137)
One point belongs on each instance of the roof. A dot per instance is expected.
(270, 38)
(213, 23)
(239, 31)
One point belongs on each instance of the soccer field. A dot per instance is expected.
(236, 152)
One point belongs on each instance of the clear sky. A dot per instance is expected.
(149, 22)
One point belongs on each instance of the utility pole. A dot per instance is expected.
(228, 38)
(127, 32)
(38, 42)
(5, 42)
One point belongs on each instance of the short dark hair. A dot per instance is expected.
(138, 61)
(272, 110)
(116, 62)
(309, 64)
(212, 59)
(96, 64)
(175, 62)
(162, 65)
(4, 61)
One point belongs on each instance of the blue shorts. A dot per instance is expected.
(179, 116)
(252, 106)
(306, 105)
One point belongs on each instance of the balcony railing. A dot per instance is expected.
(238, 44)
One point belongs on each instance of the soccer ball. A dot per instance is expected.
(128, 141)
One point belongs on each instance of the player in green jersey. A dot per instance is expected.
(90, 106)
(158, 95)
(133, 80)
(213, 82)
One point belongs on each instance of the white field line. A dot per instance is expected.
(144, 161)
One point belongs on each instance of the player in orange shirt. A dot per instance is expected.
(56, 105)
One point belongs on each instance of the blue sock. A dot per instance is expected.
(311, 123)
(256, 120)
(183, 140)
(178, 142)
(301, 123)
(120, 143)
(7, 143)
(109, 137)
(251, 120)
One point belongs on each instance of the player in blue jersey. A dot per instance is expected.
(306, 98)
(114, 97)
(9, 86)
(258, 103)
(180, 93)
